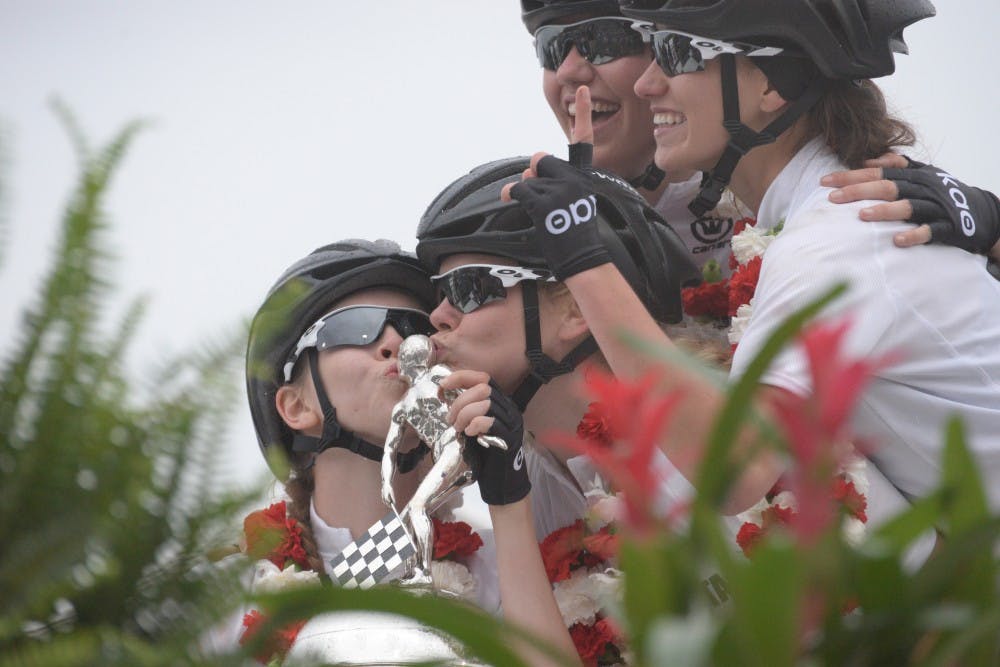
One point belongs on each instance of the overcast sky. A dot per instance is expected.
(278, 127)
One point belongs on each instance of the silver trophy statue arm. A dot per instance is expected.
(395, 436)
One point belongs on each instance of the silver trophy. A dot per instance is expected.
(424, 408)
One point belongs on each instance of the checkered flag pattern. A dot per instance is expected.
(377, 556)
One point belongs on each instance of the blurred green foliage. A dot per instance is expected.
(108, 499)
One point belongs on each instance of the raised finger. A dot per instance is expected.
(895, 210)
(884, 190)
(583, 125)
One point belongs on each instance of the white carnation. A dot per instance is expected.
(267, 578)
(753, 515)
(856, 471)
(785, 500)
(854, 530)
(738, 323)
(750, 243)
(454, 578)
(604, 510)
(584, 594)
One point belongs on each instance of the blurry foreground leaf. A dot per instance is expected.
(107, 498)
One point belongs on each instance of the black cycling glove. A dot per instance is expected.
(958, 214)
(502, 474)
(562, 204)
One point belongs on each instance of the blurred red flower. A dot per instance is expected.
(563, 551)
(596, 643)
(636, 415)
(816, 427)
(271, 534)
(277, 645)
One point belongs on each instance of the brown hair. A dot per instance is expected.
(853, 120)
(299, 488)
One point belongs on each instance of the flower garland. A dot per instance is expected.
(274, 540)
(749, 246)
(779, 507)
(580, 561)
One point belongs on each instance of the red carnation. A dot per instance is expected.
(749, 536)
(847, 495)
(454, 539)
(743, 284)
(595, 426)
(707, 300)
(563, 551)
(603, 544)
(560, 549)
(272, 535)
(277, 645)
(595, 641)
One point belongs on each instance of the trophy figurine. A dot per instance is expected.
(424, 410)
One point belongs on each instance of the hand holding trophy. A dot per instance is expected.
(424, 408)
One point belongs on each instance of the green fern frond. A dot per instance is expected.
(107, 501)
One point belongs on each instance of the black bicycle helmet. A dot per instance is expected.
(536, 13)
(846, 39)
(303, 294)
(468, 216)
(842, 39)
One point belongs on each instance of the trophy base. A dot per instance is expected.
(418, 582)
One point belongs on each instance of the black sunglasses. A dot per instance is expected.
(682, 53)
(472, 286)
(599, 40)
(358, 326)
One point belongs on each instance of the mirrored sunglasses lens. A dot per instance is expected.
(599, 42)
(408, 323)
(675, 54)
(469, 289)
(550, 48)
(603, 42)
(357, 326)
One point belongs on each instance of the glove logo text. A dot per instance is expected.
(579, 212)
(519, 459)
(960, 201)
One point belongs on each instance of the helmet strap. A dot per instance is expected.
(542, 367)
(742, 139)
(335, 435)
(650, 179)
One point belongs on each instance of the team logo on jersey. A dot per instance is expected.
(710, 230)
